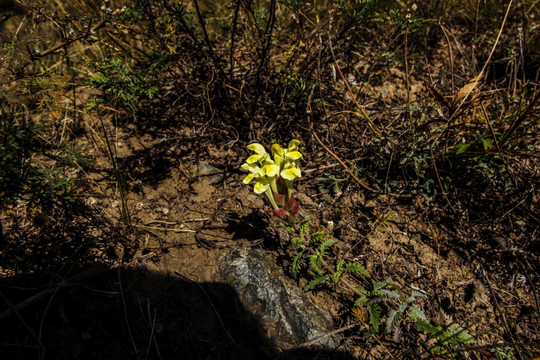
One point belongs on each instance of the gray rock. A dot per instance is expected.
(287, 316)
(213, 173)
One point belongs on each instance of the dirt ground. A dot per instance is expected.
(162, 301)
(131, 271)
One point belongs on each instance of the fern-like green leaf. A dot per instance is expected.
(317, 237)
(391, 293)
(363, 291)
(354, 268)
(374, 312)
(315, 282)
(392, 321)
(303, 226)
(465, 338)
(415, 313)
(361, 300)
(428, 328)
(296, 263)
(325, 246)
(415, 294)
(379, 285)
(459, 336)
(314, 263)
(403, 307)
(376, 294)
(289, 228)
(336, 276)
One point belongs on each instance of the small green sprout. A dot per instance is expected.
(274, 174)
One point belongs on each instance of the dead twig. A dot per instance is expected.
(71, 40)
(213, 55)
(467, 89)
(360, 182)
(443, 190)
(503, 317)
(520, 119)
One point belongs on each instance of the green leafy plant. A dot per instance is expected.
(43, 188)
(386, 307)
(371, 300)
(504, 354)
(312, 249)
(120, 84)
(274, 177)
(400, 309)
(329, 182)
(449, 340)
(20, 142)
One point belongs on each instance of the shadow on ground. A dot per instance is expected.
(104, 313)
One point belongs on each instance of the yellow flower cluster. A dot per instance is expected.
(273, 174)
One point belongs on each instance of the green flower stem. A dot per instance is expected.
(288, 184)
(270, 195)
(273, 185)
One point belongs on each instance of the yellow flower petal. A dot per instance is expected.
(277, 150)
(248, 179)
(291, 173)
(293, 155)
(257, 148)
(260, 187)
(293, 145)
(270, 169)
(254, 158)
(252, 168)
(278, 153)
